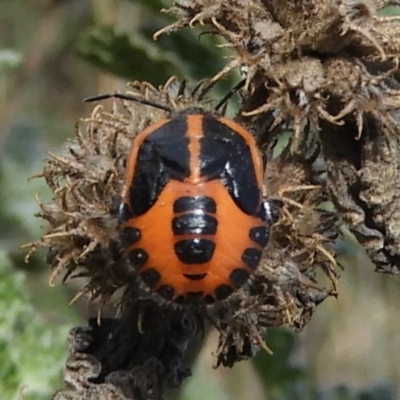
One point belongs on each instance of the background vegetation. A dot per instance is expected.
(53, 53)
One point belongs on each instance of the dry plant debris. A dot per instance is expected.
(327, 71)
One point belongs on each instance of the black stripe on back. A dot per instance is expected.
(225, 155)
(163, 155)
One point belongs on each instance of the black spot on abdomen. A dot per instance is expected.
(195, 277)
(129, 236)
(150, 277)
(195, 251)
(166, 291)
(138, 257)
(259, 235)
(252, 257)
(194, 223)
(223, 291)
(195, 203)
(238, 277)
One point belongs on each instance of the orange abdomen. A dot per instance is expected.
(220, 244)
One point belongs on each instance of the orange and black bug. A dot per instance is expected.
(193, 220)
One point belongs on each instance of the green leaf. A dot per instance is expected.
(138, 57)
(32, 350)
(390, 11)
(280, 378)
(153, 5)
(198, 52)
(201, 385)
(131, 57)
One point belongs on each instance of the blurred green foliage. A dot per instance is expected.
(276, 376)
(280, 379)
(135, 56)
(32, 351)
(42, 83)
(9, 59)
(130, 57)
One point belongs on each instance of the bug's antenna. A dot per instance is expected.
(231, 92)
(130, 98)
